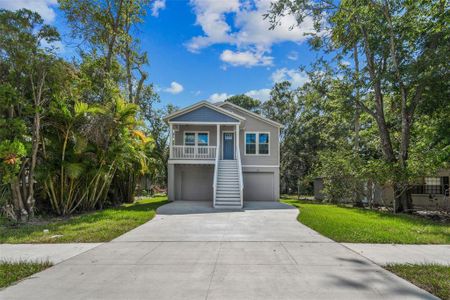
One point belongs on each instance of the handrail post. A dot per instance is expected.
(216, 165)
(170, 140)
(238, 157)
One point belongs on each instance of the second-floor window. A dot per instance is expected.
(196, 139)
(257, 143)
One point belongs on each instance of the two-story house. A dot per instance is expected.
(223, 153)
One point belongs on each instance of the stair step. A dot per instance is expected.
(221, 194)
(237, 203)
(228, 200)
(228, 207)
(234, 202)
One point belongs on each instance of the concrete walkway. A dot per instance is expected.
(190, 251)
(54, 253)
(384, 254)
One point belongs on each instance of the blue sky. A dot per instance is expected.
(206, 49)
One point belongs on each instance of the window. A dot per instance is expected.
(257, 143)
(196, 139)
(432, 185)
(250, 143)
(263, 143)
(202, 139)
(189, 138)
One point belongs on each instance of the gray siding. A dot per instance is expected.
(260, 172)
(254, 124)
(204, 114)
(211, 129)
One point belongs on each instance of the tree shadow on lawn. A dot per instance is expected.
(83, 222)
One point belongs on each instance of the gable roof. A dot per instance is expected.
(201, 111)
(258, 116)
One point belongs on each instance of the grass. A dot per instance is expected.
(11, 272)
(99, 226)
(356, 225)
(432, 278)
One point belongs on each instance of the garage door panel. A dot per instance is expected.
(196, 183)
(258, 186)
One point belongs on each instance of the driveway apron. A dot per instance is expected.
(191, 251)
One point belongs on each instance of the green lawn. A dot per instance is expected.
(432, 278)
(99, 226)
(11, 272)
(355, 225)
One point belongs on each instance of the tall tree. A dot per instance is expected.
(246, 102)
(403, 46)
(26, 80)
(107, 27)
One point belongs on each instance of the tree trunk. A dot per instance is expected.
(402, 201)
(34, 153)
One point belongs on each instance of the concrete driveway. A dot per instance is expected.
(190, 251)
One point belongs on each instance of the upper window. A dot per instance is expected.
(257, 143)
(433, 185)
(196, 138)
(433, 180)
(250, 143)
(202, 139)
(189, 138)
(263, 143)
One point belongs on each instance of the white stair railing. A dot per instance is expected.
(216, 171)
(241, 181)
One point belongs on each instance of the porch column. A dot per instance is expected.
(237, 141)
(218, 140)
(170, 139)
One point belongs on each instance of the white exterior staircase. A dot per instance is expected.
(228, 192)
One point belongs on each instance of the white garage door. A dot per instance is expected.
(258, 186)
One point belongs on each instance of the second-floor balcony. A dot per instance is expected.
(193, 152)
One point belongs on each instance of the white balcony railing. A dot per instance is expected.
(193, 152)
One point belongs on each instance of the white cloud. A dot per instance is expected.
(242, 25)
(295, 77)
(175, 88)
(245, 58)
(218, 97)
(158, 5)
(43, 7)
(210, 15)
(262, 94)
(293, 55)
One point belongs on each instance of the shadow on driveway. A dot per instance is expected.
(205, 207)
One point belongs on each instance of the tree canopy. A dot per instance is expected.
(398, 67)
(246, 102)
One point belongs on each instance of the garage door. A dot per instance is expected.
(258, 186)
(196, 183)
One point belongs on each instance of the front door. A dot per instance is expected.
(228, 145)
